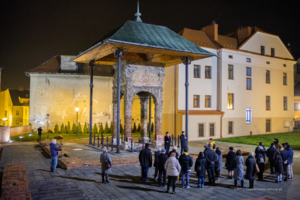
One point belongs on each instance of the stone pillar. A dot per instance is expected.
(115, 119)
(144, 108)
(128, 117)
(158, 118)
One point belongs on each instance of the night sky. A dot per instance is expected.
(33, 31)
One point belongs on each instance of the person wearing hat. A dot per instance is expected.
(105, 165)
(212, 143)
(54, 153)
(162, 158)
(39, 133)
(145, 158)
(260, 160)
(250, 171)
(156, 163)
(167, 142)
(183, 141)
(230, 162)
(211, 158)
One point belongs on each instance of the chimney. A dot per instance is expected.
(243, 33)
(1, 68)
(211, 31)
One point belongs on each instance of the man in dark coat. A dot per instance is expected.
(156, 162)
(161, 166)
(145, 159)
(183, 141)
(257, 148)
(290, 155)
(174, 151)
(230, 162)
(210, 157)
(200, 166)
(39, 133)
(167, 142)
(186, 162)
(250, 171)
(278, 162)
(270, 154)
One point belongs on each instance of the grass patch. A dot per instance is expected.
(290, 137)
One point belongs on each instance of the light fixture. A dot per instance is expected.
(4, 119)
(29, 135)
(21, 137)
(76, 109)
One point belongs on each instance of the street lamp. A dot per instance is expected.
(4, 119)
(77, 109)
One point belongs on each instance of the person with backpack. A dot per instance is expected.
(260, 160)
(106, 162)
(218, 163)
(186, 162)
(278, 163)
(200, 167)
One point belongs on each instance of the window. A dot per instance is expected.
(196, 71)
(284, 79)
(230, 127)
(284, 65)
(196, 101)
(272, 52)
(285, 107)
(248, 115)
(211, 129)
(230, 71)
(298, 69)
(207, 101)
(268, 125)
(248, 59)
(297, 106)
(5, 114)
(262, 50)
(248, 71)
(230, 101)
(201, 130)
(249, 84)
(207, 72)
(268, 76)
(17, 112)
(230, 56)
(268, 103)
(268, 62)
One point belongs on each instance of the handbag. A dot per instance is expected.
(256, 168)
(108, 163)
(261, 159)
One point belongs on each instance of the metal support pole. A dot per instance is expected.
(98, 141)
(77, 124)
(112, 143)
(91, 64)
(186, 61)
(107, 143)
(150, 118)
(178, 142)
(94, 139)
(131, 144)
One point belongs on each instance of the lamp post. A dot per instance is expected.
(4, 119)
(77, 109)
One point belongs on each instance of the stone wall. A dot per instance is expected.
(20, 130)
(4, 134)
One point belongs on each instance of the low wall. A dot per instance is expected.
(20, 130)
(4, 133)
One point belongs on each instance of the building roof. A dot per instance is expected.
(138, 37)
(198, 37)
(52, 66)
(15, 94)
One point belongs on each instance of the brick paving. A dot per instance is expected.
(85, 183)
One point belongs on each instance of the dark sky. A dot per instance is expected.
(33, 31)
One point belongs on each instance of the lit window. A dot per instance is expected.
(262, 50)
(268, 76)
(248, 115)
(297, 106)
(196, 71)
(211, 129)
(249, 84)
(230, 127)
(248, 71)
(284, 79)
(201, 130)
(230, 71)
(268, 125)
(248, 59)
(285, 106)
(268, 103)
(230, 101)
(272, 52)
(207, 101)
(196, 101)
(207, 72)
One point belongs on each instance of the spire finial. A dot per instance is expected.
(138, 14)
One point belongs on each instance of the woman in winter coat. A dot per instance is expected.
(218, 163)
(278, 166)
(230, 162)
(200, 167)
(104, 157)
(260, 160)
(250, 171)
(173, 168)
(239, 170)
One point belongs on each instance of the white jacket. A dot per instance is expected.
(172, 167)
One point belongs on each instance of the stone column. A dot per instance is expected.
(127, 117)
(115, 119)
(158, 118)
(144, 108)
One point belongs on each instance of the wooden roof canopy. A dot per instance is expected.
(142, 42)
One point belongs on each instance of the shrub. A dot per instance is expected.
(152, 127)
(95, 129)
(134, 128)
(106, 130)
(139, 128)
(74, 128)
(111, 129)
(50, 131)
(101, 131)
(79, 128)
(69, 128)
(62, 128)
(56, 129)
(85, 128)
(121, 128)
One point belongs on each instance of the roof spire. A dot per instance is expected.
(138, 14)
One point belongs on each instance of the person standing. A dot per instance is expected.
(162, 158)
(257, 148)
(54, 153)
(156, 163)
(260, 160)
(167, 143)
(175, 151)
(200, 167)
(145, 158)
(186, 162)
(210, 157)
(183, 141)
(230, 162)
(239, 170)
(211, 143)
(278, 162)
(250, 171)
(173, 168)
(39, 134)
(290, 155)
(219, 164)
(105, 165)
(270, 154)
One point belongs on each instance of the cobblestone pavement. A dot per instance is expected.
(125, 181)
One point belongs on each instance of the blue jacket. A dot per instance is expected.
(183, 141)
(270, 153)
(210, 156)
(284, 154)
(186, 162)
(250, 171)
(156, 161)
(290, 155)
(54, 150)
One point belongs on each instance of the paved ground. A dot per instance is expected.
(125, 180)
